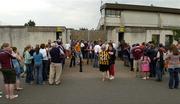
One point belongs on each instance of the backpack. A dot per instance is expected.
(145, 64)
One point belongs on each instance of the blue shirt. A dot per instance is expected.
(37, 58)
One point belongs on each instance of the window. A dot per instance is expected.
(113, 13)
(155, 39)
(168, 40)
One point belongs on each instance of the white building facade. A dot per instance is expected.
(137, 24)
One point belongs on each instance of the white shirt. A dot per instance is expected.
(82, 45)
(67, 46)
(97, 48)
(164, 54)
(44, 53)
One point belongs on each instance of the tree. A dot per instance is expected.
(176, 33)
(30, 23)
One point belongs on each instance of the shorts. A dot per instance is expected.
(9, 76)
(104, 68)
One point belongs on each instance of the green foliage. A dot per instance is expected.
(30, 23)
(176, 34)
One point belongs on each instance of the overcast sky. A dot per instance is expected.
(69, 13)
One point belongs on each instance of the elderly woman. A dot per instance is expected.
(104, 62)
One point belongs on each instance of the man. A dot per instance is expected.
(8, 72)
(137, 52)
(55, 66)
(97, 50)
(62, 52)
(160, 62)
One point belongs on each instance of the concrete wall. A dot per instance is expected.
(21, 37)
(135, 18)
(139, 35)
(170, 20)
(16, 37)
(133, 38)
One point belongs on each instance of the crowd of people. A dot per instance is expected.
(40, 65)
(44, 63)
(149, 61)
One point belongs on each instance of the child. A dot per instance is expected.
(145, 60)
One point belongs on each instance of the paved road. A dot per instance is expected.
(87, 88)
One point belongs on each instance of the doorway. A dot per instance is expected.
(121, 36)
(59, 36)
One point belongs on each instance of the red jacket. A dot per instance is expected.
(6, 60)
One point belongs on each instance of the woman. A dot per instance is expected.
(38, 57)
(45, 61)
(8, 72)
(104, 62)
(112, 53)
(173, 67)
(16, 65)
(28, 60)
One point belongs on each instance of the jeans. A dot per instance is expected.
(173, 78)
(152, 68)
(131, 63)
(73, 61)
(45, 69)
(17, 68)
(78, 56)
(96, 64)
(38, 73)
(29, 71)
(159, 70)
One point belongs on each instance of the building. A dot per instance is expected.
(20, 36)
(137, 23)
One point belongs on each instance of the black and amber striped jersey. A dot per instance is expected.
(104, 58)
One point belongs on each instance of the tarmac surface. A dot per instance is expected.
(87, 88)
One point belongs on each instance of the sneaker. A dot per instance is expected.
(18, 89)
(13, 97)
(111, 78)
(7, 96)
(144, 78)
